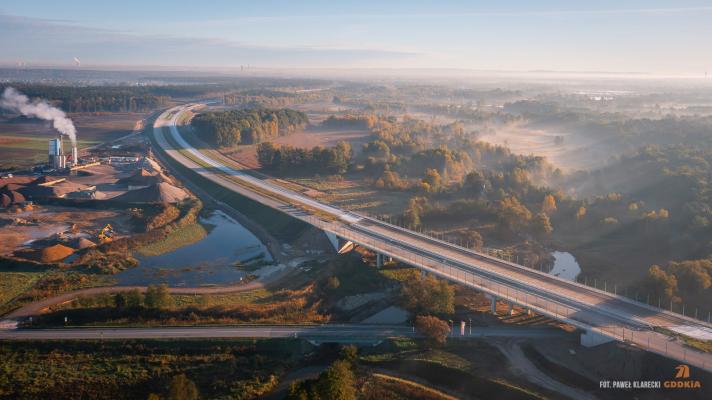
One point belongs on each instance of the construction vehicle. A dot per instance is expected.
(106, 233)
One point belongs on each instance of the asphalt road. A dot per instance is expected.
(329, 332)
(590, 309)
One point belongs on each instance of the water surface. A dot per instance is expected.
(209, 261)
(565, 266)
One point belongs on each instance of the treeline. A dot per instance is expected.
(267, 98)
(97, 99)
(350, 122)
(332, 160)
(230, 128)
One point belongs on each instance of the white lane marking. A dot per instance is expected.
(348, 217)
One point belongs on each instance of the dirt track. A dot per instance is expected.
(40, 306)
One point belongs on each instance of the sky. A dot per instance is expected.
(649, 37)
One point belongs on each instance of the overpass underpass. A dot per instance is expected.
(601, 315)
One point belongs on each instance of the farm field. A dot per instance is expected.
(23, 142)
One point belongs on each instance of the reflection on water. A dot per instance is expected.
(210, 261)
(565, 266)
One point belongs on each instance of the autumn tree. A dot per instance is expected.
(428, 295)
(338, 382)
(432, 328)
(662, 283)
(693, 276)
(548, 206)
(513, 213)
(474, 239)
(541, 226)
(432, 181)
(416, 207)
(580, 213)
(182, 388)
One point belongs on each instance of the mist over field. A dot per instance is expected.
(355, 200)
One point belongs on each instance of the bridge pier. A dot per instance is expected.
(592, 339)
(379, 260)
(510, 310)
(340, 245)
(493, 303)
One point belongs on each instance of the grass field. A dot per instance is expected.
(24, 143)
(25, 151)
(134, 369)
(180, 237)
(14, 283)
(226, 300)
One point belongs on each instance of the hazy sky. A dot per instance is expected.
(659, 37)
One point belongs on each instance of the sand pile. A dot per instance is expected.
(83, 243)
(54, 253)
(141, 177)
(10, 197)
(159, 193)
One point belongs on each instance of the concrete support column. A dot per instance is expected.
(379, 260)
(529, 311)
(423, 273)
(510, 310)
(493, 303)
(389, 259)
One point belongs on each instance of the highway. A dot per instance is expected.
(600, 313)
(348, 333)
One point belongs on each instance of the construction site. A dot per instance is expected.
(79, 200)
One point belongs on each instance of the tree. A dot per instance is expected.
(332, 283)
(662, 283)
(541, 226)
(580, 213)
(416, 206)
(391, 181)
(428, 295)
(474, 239)
(349, 353)
(338, 382)
(548, 206)
(475, 183)
(513, 213)
(157, 296)
(182, 388)
(433, 180)
(120, 300)
(133, 298)
(693, 276)
(265, 154)
(432, 328)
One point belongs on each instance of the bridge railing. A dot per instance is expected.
(571, 312)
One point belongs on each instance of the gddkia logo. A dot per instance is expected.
(683, 371)
(683, 379)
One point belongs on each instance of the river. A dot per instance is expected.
(209, 261)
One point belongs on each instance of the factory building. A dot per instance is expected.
(57, 158)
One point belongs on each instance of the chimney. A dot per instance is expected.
(75, 155)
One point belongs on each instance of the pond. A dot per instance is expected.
(209, 261)
(565, 266)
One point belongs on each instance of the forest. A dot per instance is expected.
(234, 127)
(487, 195)
(284, 159)
(97, 98)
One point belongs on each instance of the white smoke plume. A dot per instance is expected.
(18, 102)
